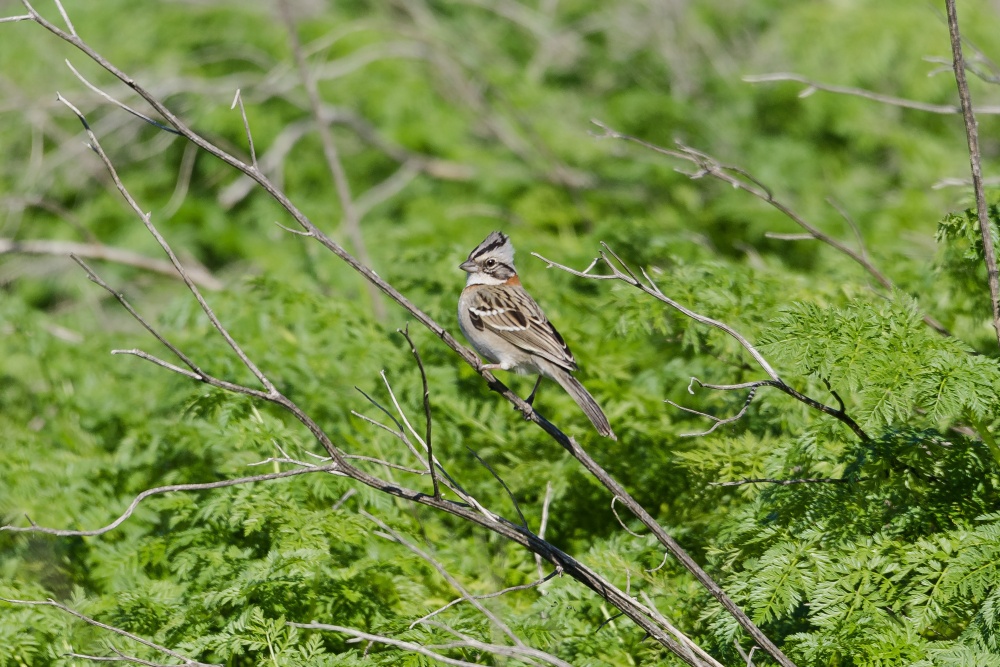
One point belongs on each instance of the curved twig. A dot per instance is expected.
(812, 86)
(709, 166)
(624, 273)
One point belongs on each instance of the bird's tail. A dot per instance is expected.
(585, 401)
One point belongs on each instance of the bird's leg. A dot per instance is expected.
(531, 396)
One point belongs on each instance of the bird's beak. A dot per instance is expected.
(468, 266)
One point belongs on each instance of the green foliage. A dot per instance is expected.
(891, 559)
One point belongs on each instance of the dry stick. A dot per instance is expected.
(709, 166)
(522, 587)
(146, 218)
(524, 538)
(629, 277)
(471, 599)
(59, 532)
(199, 274)
(351, 219)
(145, 642)
(813, 86)
(427, 409)
(542, 525)
(381, 639)
(789, 482)
(466, 643)
(681, 637)
(122, 657)
(972, 134)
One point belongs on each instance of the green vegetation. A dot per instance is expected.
(893, 559)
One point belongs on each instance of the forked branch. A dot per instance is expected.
(620, 270)
(741, 179)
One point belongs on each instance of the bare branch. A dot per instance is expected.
(199, 274)
(381, 639)
(972, 134)
(147, 221)
(718, 422)
(791, 482)
(813, 86)
(427, 410)
(166, 489)
(145, 642)
(351, 216)
(709, 166)
(395, 536)
(626, 275)
(238, 99)
(522, 587)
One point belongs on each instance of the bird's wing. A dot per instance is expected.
(512, 314)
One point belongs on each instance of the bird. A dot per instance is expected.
(507, 327)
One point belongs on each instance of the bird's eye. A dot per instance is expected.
(490, 263)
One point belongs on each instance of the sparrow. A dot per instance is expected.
(505, 325)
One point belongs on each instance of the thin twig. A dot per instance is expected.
(427, 409)
(166, 489)
(522, 587)
(813, 86)
(543, 524)
(145, 642)
(118, 103)
(238, 100)
(972, 135)
(622, 523)
(718, 421)
(199, 274)
(497, 477)
(526, 654)
(709, 166)
(146, 220)
(790, 482)
(97, 280)
(395, 536)
(351, 217)
(381, 639)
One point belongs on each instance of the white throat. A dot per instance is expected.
(480, 278)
